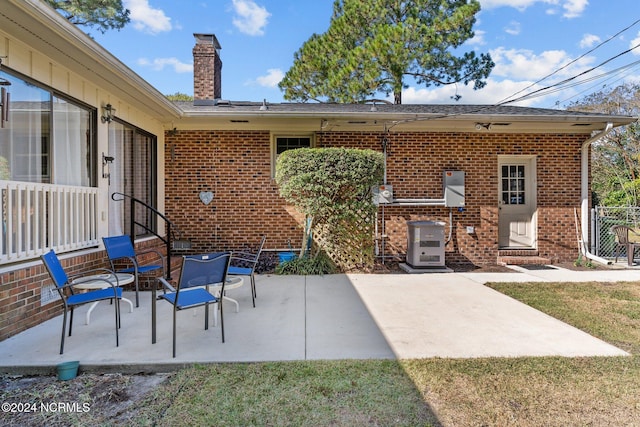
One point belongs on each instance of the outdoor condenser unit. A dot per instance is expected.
(425, 243)
(453, 188)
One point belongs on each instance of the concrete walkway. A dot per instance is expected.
(355, 316)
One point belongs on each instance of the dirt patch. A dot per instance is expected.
(88, 399)
(584, 267)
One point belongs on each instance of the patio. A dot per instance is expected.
(322, 317)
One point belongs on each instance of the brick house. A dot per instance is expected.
(77, 125)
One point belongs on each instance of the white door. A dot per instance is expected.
(517, 202)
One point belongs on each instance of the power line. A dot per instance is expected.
(626, 70)
(572, 62)
(521, 98)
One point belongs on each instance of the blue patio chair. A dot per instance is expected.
(198, 273)
(120, 248)
(244, 264)
(64, 285)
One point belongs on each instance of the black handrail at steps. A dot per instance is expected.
(171, 228)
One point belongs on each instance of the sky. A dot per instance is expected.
(548, 53)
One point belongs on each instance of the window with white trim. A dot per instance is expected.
(282, 143)
(45, 137)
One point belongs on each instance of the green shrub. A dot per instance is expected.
(306, 266)
(332, 187)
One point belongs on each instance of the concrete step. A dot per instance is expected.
(523, 260)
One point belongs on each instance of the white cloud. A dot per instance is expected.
(251, 18)
(517, 4)
(515, 71)
(159, 64)
(147, 19)
(494, 92)
(525, 64)
(635, 42)
(589, 40)
(271, 79)
(572, 8)
(477, 39)
(513, 28)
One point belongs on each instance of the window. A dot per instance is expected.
(132, 172)
(284, 143)
(45, 137)
(513, 184)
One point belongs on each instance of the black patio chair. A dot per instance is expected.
(244, 264)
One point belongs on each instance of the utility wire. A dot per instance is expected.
(538, 93)
(627, 70)
(521, 98)
(573, 62)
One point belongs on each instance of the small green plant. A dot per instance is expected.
(306, 266)
(580, 262)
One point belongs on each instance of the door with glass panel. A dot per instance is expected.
(517, 202)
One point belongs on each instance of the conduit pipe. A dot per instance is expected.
(417, 202)
(584, 194)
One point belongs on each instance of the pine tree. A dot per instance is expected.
(103, 14)
(373, 46)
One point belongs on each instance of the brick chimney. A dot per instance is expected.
(207, 70)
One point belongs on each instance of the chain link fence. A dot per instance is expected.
(603, 218)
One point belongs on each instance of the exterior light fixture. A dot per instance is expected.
(480, 126)
(108, 113)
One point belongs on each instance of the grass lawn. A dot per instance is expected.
(549, 391)
(543, 391)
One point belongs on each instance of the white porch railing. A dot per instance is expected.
(39, 217)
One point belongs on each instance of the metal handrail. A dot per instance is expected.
(170, 226)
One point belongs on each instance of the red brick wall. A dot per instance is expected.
(235, 166)
(20, 294)
(20, 290)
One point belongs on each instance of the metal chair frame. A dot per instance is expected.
(197, 274)
(64, 284)
(121, 248)
(250, 259)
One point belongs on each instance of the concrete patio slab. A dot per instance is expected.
(441, 316)
(354, 316)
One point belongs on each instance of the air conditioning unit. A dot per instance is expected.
(425, 243)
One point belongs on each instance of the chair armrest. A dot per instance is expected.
(635, 234)
(128, 258)
(166, 285)
(244, 257)
(155, 251)
(235, 258)
(77, 277)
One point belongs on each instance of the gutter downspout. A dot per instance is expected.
(584, 193)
